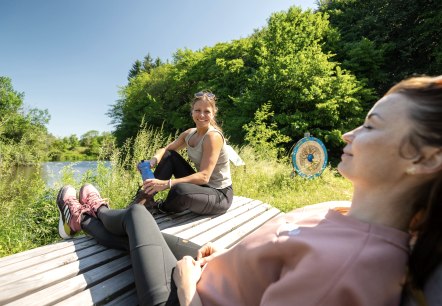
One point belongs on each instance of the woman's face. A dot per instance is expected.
(373, 152)
(202, 113)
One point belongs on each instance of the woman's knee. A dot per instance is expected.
(136, 208)
(171, 154)
(137, 213)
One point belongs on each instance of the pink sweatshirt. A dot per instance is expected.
(336, 260)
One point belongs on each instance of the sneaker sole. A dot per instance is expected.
(64, 230)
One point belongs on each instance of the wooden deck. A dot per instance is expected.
(81, 272)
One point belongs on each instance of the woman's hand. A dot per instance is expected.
(205, 253)
(152, 186)
(206, 250)
(186, 275)
(153, 162)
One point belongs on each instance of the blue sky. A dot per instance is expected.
(72, 57)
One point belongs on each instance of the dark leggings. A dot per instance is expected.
(153, 254)
(199, 199)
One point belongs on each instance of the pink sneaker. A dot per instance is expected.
(70, 212)
(90, 197)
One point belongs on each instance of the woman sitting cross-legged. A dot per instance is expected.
(394, 161)
(205, 191)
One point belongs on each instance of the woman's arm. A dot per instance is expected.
(186, 275)
(188, 272)
(175, 145)
(212, 145)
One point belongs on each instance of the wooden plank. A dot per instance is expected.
(37, 282)
(175, 225)
(201, 227)
(172, 220)
(230, 239)
(25, 255)
(225, 227)
(41, 259)
(98, 294)
(164, 217)
(128, 298)
(187, 219)
(179, 228)
(26, 272)
(239, 201)
(65, 289)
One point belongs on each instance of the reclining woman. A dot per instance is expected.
(394, 161)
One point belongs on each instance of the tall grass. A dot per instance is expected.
(274, 182)
(27, 214)
(29, 217)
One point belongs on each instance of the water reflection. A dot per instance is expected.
(52, 172)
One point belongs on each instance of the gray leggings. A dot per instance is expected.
(153, 254)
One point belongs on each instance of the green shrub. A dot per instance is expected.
(263, 135)
(28, 216)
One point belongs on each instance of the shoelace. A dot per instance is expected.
(93, 199)
(75, 207)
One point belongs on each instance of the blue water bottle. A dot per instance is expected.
(146, 172)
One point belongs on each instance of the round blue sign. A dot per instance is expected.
(309, 157)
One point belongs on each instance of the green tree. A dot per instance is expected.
(161, 96)
(73, 141)
(135, 70)
(308, 91)
(146, 99)
(87, 138)
(146, 65)
(283, 65)
(149, 63)
(22, 130)
(384, 41)
(11, 102)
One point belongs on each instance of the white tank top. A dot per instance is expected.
(220, 177)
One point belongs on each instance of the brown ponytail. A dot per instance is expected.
(425, 94)
(427, 251)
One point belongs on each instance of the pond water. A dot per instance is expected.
(51, 172)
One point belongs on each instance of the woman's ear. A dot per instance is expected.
(430, 161)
